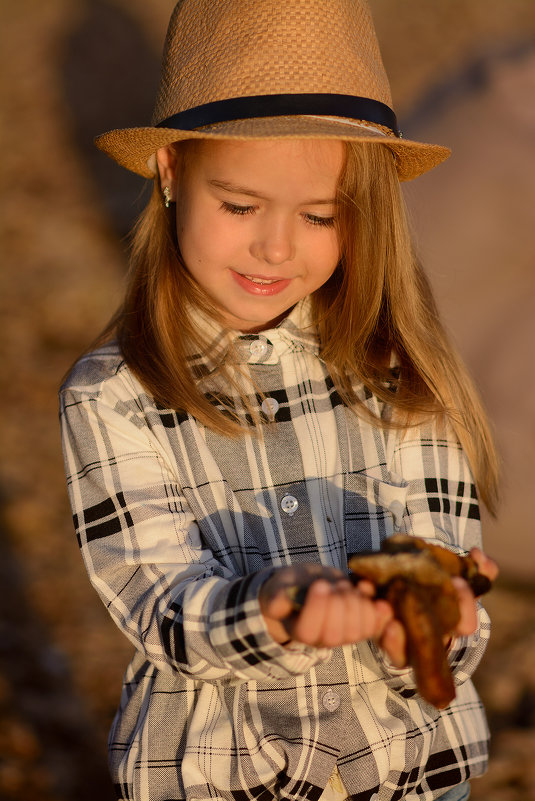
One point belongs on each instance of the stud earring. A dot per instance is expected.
(167, 195)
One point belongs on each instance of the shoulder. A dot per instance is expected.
(96, 372)
(101, 392)
(102, 386)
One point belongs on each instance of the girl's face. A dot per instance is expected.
(256, 223)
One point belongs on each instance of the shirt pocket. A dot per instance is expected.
(373, 509)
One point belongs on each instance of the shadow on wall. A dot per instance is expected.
(474, 78)
(474, 224)
(110, 81)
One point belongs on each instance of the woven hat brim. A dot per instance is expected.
(134, 148)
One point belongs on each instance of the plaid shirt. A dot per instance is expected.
(179, 527)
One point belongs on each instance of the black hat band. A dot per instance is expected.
(244, 108)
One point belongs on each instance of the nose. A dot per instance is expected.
(274, 242)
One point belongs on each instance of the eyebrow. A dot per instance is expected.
(226, 186)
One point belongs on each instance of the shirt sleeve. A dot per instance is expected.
(143, 551)
(441, 505)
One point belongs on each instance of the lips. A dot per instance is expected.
(263, 285)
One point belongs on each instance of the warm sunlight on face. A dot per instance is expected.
(255, 224)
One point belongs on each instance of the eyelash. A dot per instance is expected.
(243, 211)
(240, 211)
(325, 222)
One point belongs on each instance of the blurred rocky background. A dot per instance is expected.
(463, 74)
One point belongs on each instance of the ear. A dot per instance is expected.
(166, 158)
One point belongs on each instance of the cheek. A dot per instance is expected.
(329, 251)
(206, 238)
(191, 236)
(335, 242)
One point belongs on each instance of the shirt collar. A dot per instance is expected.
(295, 333)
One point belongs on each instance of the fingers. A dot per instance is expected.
(278, 607)
(394, 643)
(394, 638)
(275, 596)
(467, 603)
(485, 564)
(320, 606)
(335, 612)
(275, 610)
(467, 607)
(339, 613)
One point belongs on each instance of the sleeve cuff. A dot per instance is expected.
(239, 634)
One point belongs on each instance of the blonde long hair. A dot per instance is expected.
(377, 303)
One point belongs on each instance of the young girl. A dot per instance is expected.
(275, 393)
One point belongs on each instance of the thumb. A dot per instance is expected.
(278, 606)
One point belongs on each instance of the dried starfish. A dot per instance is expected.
(414, 576)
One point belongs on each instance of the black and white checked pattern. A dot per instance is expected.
(179, 526)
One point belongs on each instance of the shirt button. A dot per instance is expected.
(289, 504)
(270, 407)
(258, 348)
(331, 700)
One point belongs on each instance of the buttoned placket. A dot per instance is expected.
(258, 348)
(270, 407)
(289, 504)
(331, 700)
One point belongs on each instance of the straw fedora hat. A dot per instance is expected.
(271, 69)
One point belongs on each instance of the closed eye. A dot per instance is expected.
(233, 208)
(314, 219)
(242, 211)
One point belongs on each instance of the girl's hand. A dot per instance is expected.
(393, 640)
(467, 602)
(334, 613)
